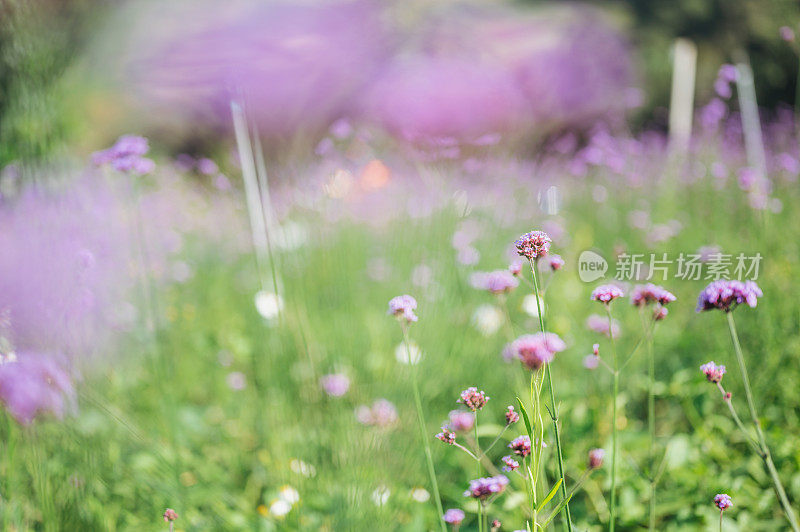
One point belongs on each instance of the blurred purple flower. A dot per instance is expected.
(461, 421)
(453, 516)
(606, 293)
(599, 324)
(713, 372)
(403, 307)
(335, 384)
(726, 295)
(496, 282)
(35, 385)
(536, 350)
(483, 488)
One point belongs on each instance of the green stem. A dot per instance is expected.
(553, 409)
(424, 434)
(614, 442)
(720, 521)
(651, 418)
(765, 454)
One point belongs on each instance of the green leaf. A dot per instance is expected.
(551, 494)
(525, 418)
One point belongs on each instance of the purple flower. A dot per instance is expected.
(607, 293)
(533, 245)
(723, 501)
(596, 457)
(712, 372)
(447, 436)
(473, 399)
(515, 268)
(206, 166)
(126, 155)
(521, 445)
(382, 413)
(335, 384)
(511, 416)
(591, 362)
(496, 282)
(726, 295)
(35, 385)
(644, 294)
(555, 262)
(787, 33)
(509, 464)
(403, 307)
(170, 515)
(461, 421)
(483, 488)
(454, 516)
(535, 350)
(599, 324)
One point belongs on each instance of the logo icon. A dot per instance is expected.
(591, 266)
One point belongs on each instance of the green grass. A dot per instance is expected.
(157, 426)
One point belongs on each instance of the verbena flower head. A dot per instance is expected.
(403, 307)
(727, 295)
(533, 245)
(555, 262)
(382, 413)
(126, 155)
(447, 436)
(660, 313)
(644, 294)
(170, 515)
(521, 445)
(712, 372)
(454, 516)
(461, 421)
(536, 350)
(509, 464)
(483, 488)
(511, 416)
(473, 399)
(34, 385)
(596, 457)
(515, 268)
(496, 282)
(607, 293)
(723, 501)
(335, 384)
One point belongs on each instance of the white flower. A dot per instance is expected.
(412, 355)
(269, 305)
(290, 495)
(487, 319)
(280, 508)
(381, 495)
(420, 495)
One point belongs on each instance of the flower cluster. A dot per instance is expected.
(496, 282)
(473, 399)
(126, 155)
(447, 436)
(713, 372)
(600, 325)
(461, 421)
(726, 295)
(32, 385)
(555, 262)
(723, 501)
(607, 293)
(596, 457)
(509, 464)
(335, 384)
(515, 268)
(483, 488)
(533, 245)
(511, 416)
(170, 515)
(382, 413)
(403, 307)
(521, 445)
(536, 350)
(454, 516)
(644, 294)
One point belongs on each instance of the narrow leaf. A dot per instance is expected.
(525, 418)
(551, 494)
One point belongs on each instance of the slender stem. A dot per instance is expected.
(424, 434)
(750, 439)
(614, 442)
(478, 452)
(765, 454)
(651, 417)
(720, 521)
(553, 409)
(495, 440)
